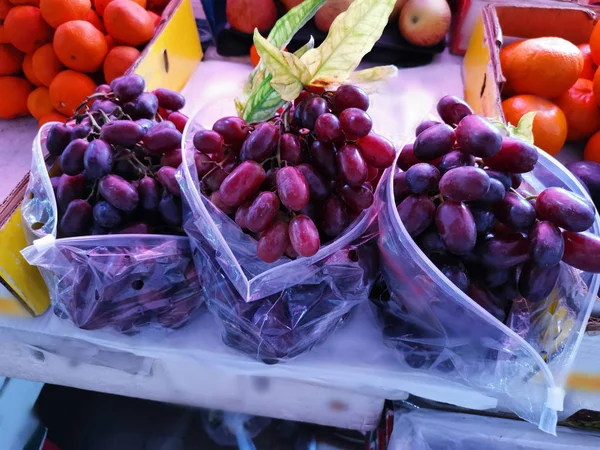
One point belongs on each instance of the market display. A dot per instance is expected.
(53, 53)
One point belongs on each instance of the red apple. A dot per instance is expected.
(425, 22)
(396, 12)
(246, 15)
(289, 4)
(328, 12)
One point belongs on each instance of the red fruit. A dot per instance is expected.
(246, 15)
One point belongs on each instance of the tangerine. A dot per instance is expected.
(118, 60)
(546, 66)
(69, 89)
(80, 46)
(28, 70)
(100, 5)
(52, 117)
(95, 20)
(155, 18)
(11, 60)
(5, 6)
(26, 2)
(595, 43)
(3, 36)
(46, 64)
(581, 111)
(592, 148)
(549, 124)
(26, 28)
(128, 23)
(38, 103)
(589, 66)
(57, 12)
(13, 97)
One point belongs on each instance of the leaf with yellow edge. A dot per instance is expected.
(289, 74)
(263, 103)
(351, 36)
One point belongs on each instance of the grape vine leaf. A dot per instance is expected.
(288, 73)
(263, 102)
(351, 36)
(368, 79)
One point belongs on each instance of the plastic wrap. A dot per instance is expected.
(119, 281)
(279, 310)
(439, 329)
(436, 430)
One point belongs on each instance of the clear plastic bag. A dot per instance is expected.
(436, 430)
(439, 329)
(118, 281)
(271, 311)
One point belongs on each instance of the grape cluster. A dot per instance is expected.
(118, 161)
(299, 179)
(458, 190)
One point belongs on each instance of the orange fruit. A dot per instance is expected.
(11, 60)
(595, 44)
(26, 2)
(118, 60)
(546, 66)
(155, 18)
(28, 70)
(3, 36)
(128, 23)
(26, 28)
(39, 104)
(80, 46)
(100, 5)
(69, 89)
(589, 66)
(13, 97)
(110, 42)
(52, 117)
(5, 6)
(549, 124)
(254, 56)
(57, 12)
(592, 148)
(46, 64)
(95, 20)
(581, 111)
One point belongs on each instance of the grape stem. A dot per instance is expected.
(531, 197)
(93, 193)
(84, 104)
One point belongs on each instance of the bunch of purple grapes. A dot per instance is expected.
(118, 162)
(459, 195)
(299, 179)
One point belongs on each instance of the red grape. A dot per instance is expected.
(588, 173)
(424, 125)
(291, 148)
(464, 184)
(372, 174)
(455, 159)
(122, 132)
(434, 142)
(242, 183)
(261, 143)
(304, 236)
(323, 157)
(536, 283)
(203, 164)
(208, 142)
(172, 158)
(328, 129)
(164, 124)
(169, 208)
(546, 244)
(128, 87)
(106, 215)
(400, 188)
(351, 165)
(582, 251)
(515, 156)
(98, 159)
(502, 177)
(180, 120)
(430, 241)
(335, 217)
(416, 213)
(161, 140)
(69, 188)
(273, 242)
(58, 138)
(216, 200)
(504, 252)
(348, 96)
(214, 178)
(241, 214)
(565, 209)
(515, 212)
(422, 178)
(148, 191)
(377, 151)
(357, 197)
(456, 226)
(292, 188)
(319, 190)
(262, 212)
(495, 193)
(170, 100)
(452, 109)
(307, 111)
(166, 176)
(233, 129)
(476, 136)
(355, 123)
(71, 160)
(407, 157)
(77, 218)
(118, 192)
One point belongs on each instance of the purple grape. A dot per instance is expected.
(54, 181)
(323, 157)
(476, 136)
(77, 218)
(233, 129)
(417, 213)
(464, 184)
(335, 217)
(502, 177)
(161, 140)
(262, 211)
(291, 149)
(565, 209)
(422, 178)
(208, 142)
(122, 132)
(486, 300)
(242, 183)
(355, 123)
(582, 251)
(169, 208)
(98, 159)
(328, 128)
(495, 193)
(425, 125)
(292, 188)
(273, 243)
(357, 197)
(58, 138)
(106, 215)
(484, 220)
(169, 100)
(304, 236)
(118, 192)
(103, 89)
(308, 110)
(146, 124)
(454, 270)
(495, 278)
(348, 96)
(504, 252)
(434, 142)
(456, 226)
(400, 188)
(148, 191)
(452, 109)
(166, 177)
(172, 158)
(319, 189)
(82, 130)
(204, 164)
(455, 159)
(588, 173)
(407, 157)
(351, 165)
(71, 160)
(377, 151)
(536, 283)
(546, 244)
(515, 156)
(515, 212)
(128, 87)
(146, 106)
(69, 188)
(105, 106)
(430, 241)
(516, 180)
(261, 143)
(164, 124)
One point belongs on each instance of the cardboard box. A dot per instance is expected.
(167, 61)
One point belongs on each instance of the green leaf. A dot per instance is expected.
(352, 35)
(263, 103)
(286, 27)
(373, 74)
(289, 74)
(239, 106)
(525, 128)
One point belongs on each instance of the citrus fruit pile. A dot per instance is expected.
(53, 53)
(560, 82)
